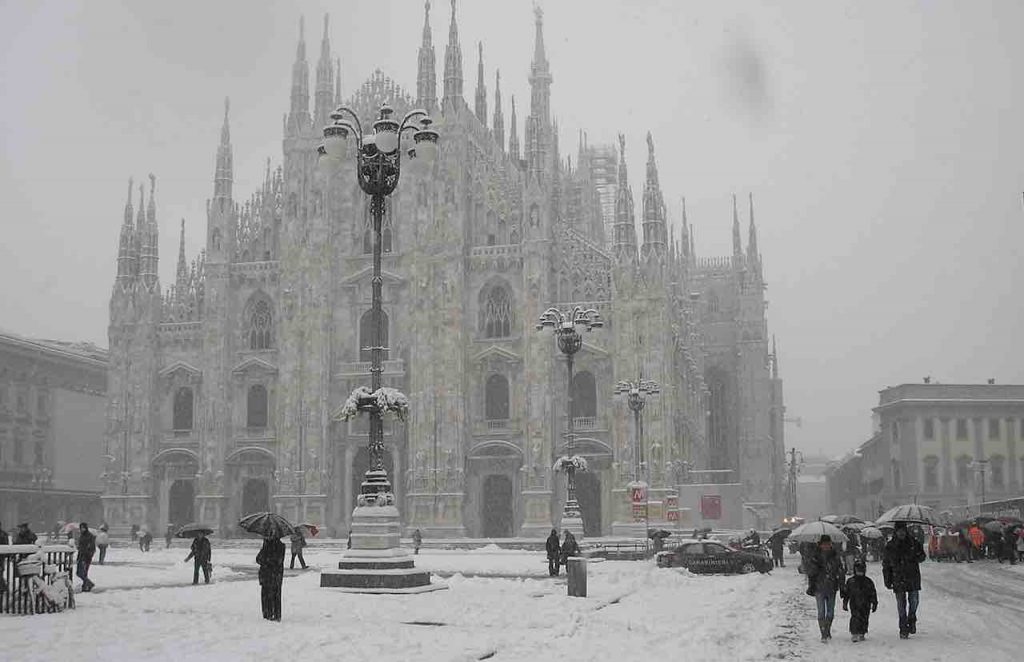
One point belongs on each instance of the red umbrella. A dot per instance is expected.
(312, 528)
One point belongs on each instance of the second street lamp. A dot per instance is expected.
(565, 325)
(636, 398)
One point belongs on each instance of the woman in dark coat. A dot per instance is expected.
(271, 575)
(569, 547)
(902, 574)
(825, 576)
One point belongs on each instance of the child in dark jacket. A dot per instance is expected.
(860, 599)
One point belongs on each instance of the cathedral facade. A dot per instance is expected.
(230, 382)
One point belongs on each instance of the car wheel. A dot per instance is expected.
(747, 568)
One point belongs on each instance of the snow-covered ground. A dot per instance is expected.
(147, 609)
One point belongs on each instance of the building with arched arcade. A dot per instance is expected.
(232, 378)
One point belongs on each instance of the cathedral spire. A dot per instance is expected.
(625, 224)
(684, 239)
(139, 235)
(481, 89)
(737, 248)
(151, 255)
(752, 238)
(337, 81)
(426, 77)
(298, 117)
(453, 63)
(224, 174)
(513, 134)
(324, 78)
(499, 120)
(125, 257)
(654, 208)
(775, 359)
(181, 276)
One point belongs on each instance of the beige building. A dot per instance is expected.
(950, 446)
(52, 430)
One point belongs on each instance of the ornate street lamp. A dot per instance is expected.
(565, 325)
(375, 561)
(41, 478)
(378, 166)
(636, 398)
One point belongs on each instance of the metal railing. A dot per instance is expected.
(16, 596)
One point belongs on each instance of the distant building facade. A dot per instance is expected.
(52, 430)
(228, 383)
(950, 446)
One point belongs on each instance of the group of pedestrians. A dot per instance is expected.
(559, 552)
(901, 573)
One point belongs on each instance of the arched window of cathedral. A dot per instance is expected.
(215, 240)
(713, 303)
(183, 406)
(19, 449)
(261, 325)
(534, 215)
(513, 235)
(496, 311)
(584, 395)
(496, 398)
(256, 407)
(366, 327)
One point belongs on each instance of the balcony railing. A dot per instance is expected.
(497, 424)
(584, 423)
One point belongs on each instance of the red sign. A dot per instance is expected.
(638, 494)
(671, 501)
(711, 506)
(673, 515)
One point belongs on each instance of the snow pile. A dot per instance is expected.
(385, 400)
(577, 462)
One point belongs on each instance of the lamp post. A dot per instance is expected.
(375, 560)
(794, 469)
(980, 466)
(564, 324)
(41, 477)
(378, 166)
(636, 399)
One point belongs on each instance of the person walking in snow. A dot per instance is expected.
(86, 549)
(569, 547)
(200, 555)
(298, 543)
(102, 542)
(271, 575)
(825, 577)
(860, 599)
(169, 535)
(778, 546)
(133, 533)
(901, 571)
(417, 540)
(554, 551)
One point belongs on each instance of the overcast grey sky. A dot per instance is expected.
(881, 141)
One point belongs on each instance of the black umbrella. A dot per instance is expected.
(268, 525)
(193, 530)
(659, 533)
(780, 533)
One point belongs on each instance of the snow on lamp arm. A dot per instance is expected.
(565, 326)
(378, 167)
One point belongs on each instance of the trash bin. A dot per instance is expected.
(576, 571)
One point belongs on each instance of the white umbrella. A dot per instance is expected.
(829, 518)
(813, 531)
(911, 512)
(871, 533)
(853, 526)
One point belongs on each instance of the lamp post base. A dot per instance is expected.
(572, 519)
(377, 563)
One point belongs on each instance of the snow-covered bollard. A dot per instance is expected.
(576, 571)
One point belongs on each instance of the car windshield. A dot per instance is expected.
(715, 548)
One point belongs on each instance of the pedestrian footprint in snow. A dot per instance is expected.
(860, 599)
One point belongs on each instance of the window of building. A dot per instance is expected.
(38, 451)
(929, 429)
(496, 398)
(261, 325)
(895, 432)
(931, 472)
(19, 451)
(961, 429)
(22, 402)
(183, 406)
(713, 303)
(366, 328)
(993, 428)
(963, 471)
(496, 314)
(584, 395)
(256, 407)
(997, 470)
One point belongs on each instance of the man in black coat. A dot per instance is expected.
(778, 545)
(86, 549)
(901, 571)
(860, 599)
(825, 576)
(271, 575)
(24, 536)
(554, 553)
(202, 553)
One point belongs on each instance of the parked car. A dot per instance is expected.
(710, 557)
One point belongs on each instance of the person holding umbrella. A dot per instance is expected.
(298, 543)
(825, 576)
(901, 572)
(777, 542)
(200, 555)
(271, 576)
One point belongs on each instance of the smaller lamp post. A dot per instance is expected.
(636, 399)
(565, 325)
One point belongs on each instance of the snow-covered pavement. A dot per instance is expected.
(635, 611)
